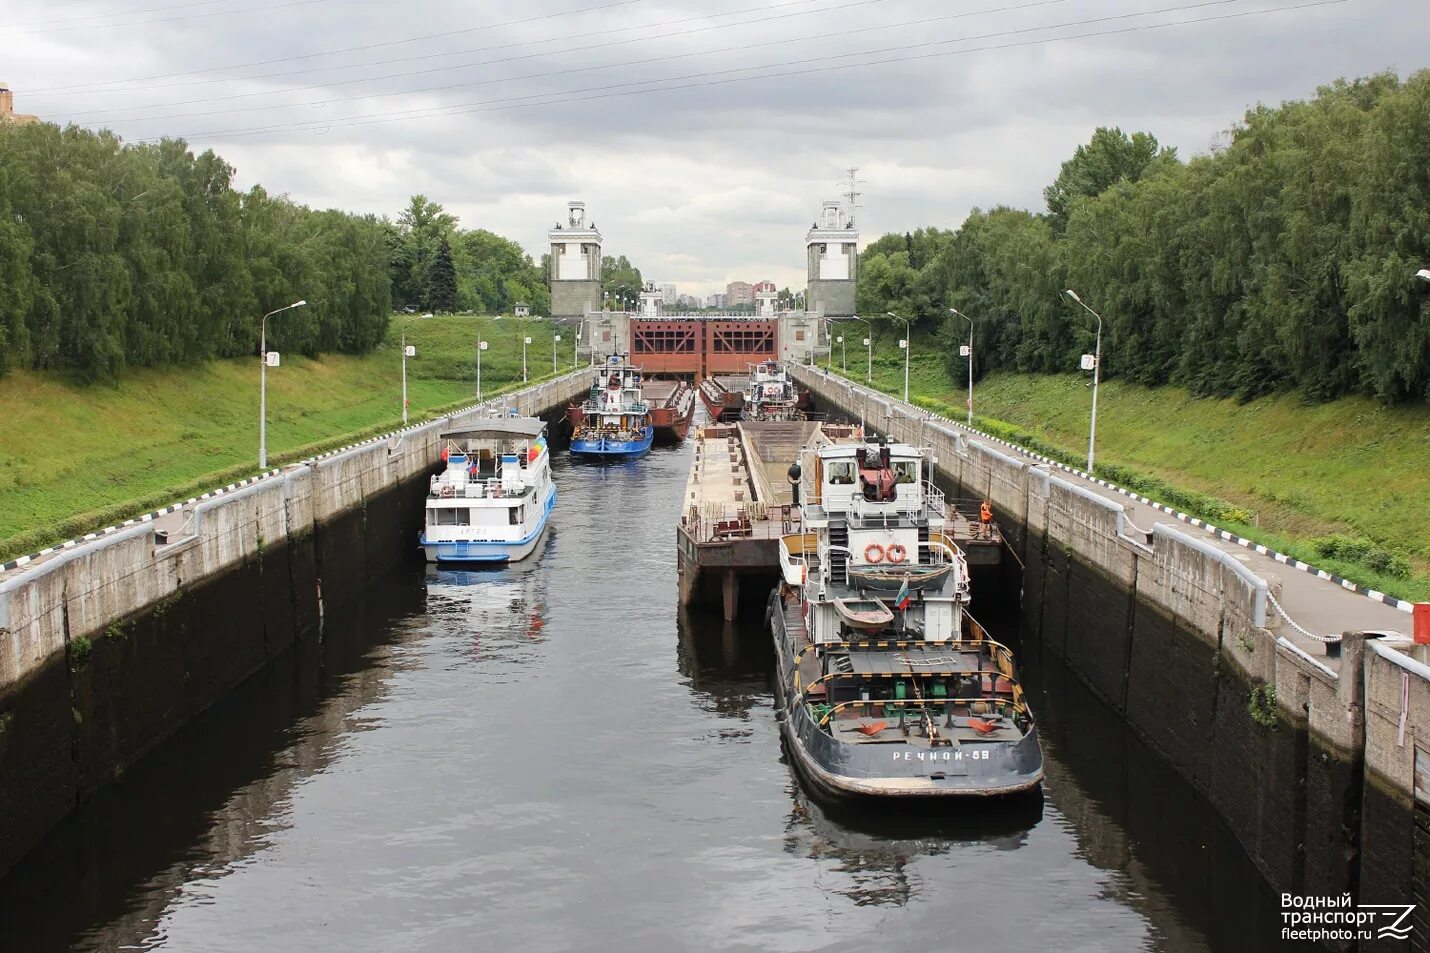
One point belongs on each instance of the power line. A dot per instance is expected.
(350, 49)
(493, 62)
(117, 13)
(623, 89)
(189, 16)
(584, 69)
(427, 57)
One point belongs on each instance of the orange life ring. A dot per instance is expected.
(873, 553)
(897, 553)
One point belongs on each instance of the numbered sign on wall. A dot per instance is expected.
(410, 350)
(964, 350)
(1088, 362)
(271, 358)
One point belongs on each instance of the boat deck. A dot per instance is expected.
(876, 721)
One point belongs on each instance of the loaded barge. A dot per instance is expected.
(672, 406)
(886, 686)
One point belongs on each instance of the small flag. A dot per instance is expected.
(901, 601)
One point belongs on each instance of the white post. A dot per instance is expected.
(970, 362)
(263, 382)
(843, 358)
(524, 342)
(555, 340)
(908, 345)
(1096, 375)
(263, 393)
(868, 351)
(404, 378)
(480, 346)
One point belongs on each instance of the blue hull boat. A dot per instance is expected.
(614, 421)
(611, 448)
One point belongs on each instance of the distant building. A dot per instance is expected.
(718, 301)
(762, 286)
(669, 295)
(689, 302)
(575, 275)
(738, 293)
(7, 107)
(832, 247)
(522, 310)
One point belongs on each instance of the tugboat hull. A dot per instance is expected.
(835, 770)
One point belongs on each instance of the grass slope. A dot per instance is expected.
(1322, 482)
(76, 458)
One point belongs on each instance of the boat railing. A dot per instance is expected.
(1019, 706)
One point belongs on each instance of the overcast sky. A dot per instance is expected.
(670, 118)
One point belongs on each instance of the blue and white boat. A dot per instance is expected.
(493, 499)
(614, 421)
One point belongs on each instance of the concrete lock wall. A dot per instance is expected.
(109, 646)
(1171, 632)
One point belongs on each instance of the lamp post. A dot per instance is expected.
(1096, 373)
(407, 351)
(843, 358)
(481, 346)
(907, 345)
(829, 358)
(263, 382)
(524, 342)
(555, 340)
(868, 350)
(969, 355)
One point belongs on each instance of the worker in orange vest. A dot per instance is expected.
(985, 519)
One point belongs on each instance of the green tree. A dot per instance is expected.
(442, 280)
(1111, 156)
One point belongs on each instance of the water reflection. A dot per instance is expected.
(213, 797)
(498, 610)
(875, 851)
(727, 665)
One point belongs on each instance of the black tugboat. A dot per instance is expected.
(887, 686)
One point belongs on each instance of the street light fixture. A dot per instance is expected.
(907, 344)
(1096, 368)
(407, 351)
(263, 359)
(969, 355)
(1423, 274)
(481, 346)
(524, 342)
(868, 350)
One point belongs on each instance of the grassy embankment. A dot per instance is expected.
(1343, 485)
(77, 458)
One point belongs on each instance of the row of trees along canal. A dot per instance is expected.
(1283, 259)
(118, 255)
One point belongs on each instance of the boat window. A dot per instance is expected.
(906, 471)
(517, 513)
(841, 472)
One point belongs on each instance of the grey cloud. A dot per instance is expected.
(710, 183)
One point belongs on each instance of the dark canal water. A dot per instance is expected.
(551, 758)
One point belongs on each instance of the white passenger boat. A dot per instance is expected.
(493, 499)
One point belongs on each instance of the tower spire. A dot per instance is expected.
(851, 192)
